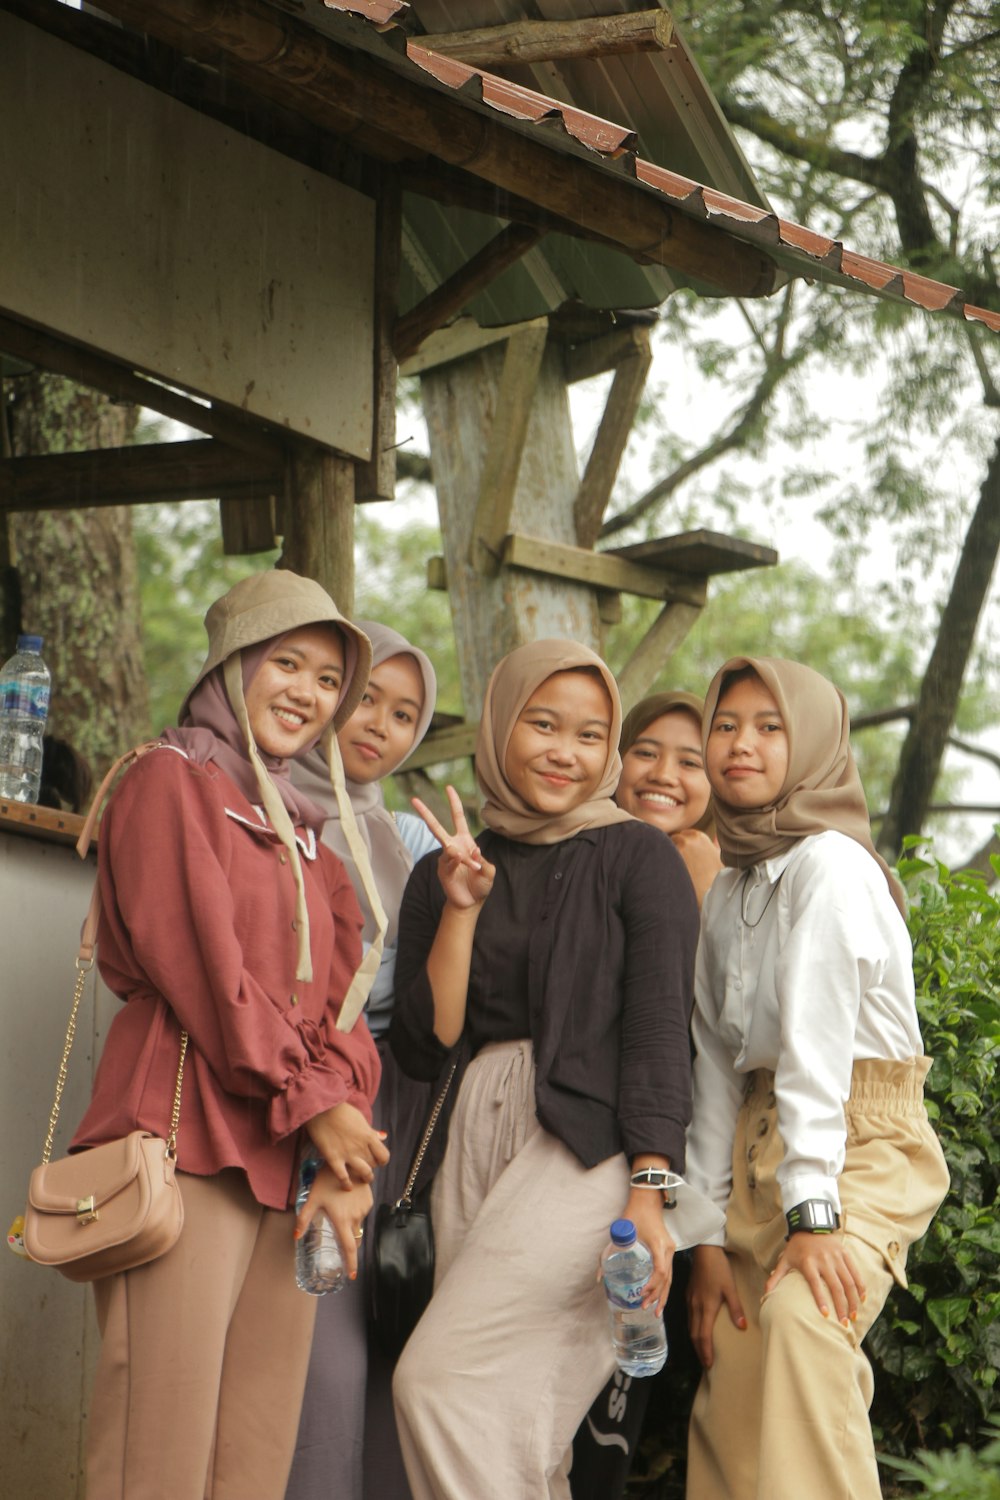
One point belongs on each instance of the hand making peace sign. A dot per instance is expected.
(466, 877)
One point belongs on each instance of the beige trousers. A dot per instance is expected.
(203, 1358)
(515, 1344)
(783, 1412)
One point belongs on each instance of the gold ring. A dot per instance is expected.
(359, 1234)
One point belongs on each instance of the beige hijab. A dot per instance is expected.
(390, 860)
(514, 680)
(646, 712)
(822, 788)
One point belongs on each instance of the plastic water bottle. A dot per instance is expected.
(638, 1335)
(318, 1265)
(24, 707)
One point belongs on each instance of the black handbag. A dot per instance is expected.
(403, 1256)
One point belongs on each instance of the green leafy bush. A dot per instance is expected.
(961, 1474)
(936, 1347)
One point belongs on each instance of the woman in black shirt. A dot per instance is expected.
(558, 951)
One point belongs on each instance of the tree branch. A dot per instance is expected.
(776, 367)
(923, 747)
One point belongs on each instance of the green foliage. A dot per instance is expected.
(937, 1345)
(182, 569)
(961, 1474)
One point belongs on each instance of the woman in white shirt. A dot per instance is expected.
(809, 1126)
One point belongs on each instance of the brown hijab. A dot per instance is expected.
(822, 788)
(514, 680)
(646, 712)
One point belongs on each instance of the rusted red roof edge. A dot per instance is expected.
(617, 143)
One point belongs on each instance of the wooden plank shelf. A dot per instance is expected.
(40, 822)
(701, 553)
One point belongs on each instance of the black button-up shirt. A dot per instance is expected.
(587, 947)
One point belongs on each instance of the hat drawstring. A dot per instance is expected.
(364, 977)
(276, 811)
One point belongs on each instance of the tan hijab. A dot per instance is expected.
(822, 788)
(646, 712)
(514, 680)
(390, 860)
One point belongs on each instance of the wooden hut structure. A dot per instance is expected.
(249, 215)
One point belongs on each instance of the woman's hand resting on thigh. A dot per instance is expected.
(824, 1262)
(712, 1283)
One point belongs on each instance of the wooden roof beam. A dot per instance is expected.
(555, 41)
(347, 91)
(99, 373)
(198, 470)
(504, 250)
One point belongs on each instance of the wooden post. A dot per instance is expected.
(651, 655)
(319, 522)
(493, 614)
(376, 479)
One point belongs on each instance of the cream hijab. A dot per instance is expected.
(822, 788)
(391, 861)
(646, 712)
(513, 682)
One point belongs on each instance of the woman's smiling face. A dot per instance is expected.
(380, 733)
(558, 749)
(294, 692)
(663, 779)
(746, 755)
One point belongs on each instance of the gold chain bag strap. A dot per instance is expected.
(403, 1255)
(113, 1206)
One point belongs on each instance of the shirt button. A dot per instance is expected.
(737, 984)
(751, 1153)
(295, 925)
(558, 875)
(893, 1248)
(771, 1101)
(295, 999)
(751, 1180)
(282, 858)
(762, 1127)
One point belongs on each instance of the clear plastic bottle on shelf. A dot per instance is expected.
(638, 1335)
(318, 1265)
(24, 708)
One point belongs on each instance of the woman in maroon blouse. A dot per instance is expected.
(224, 916)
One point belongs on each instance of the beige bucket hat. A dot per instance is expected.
(273, 603)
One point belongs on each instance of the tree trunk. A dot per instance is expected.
(79, 578)
(930, 726)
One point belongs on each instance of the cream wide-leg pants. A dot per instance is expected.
(783, 1412)
(515, 1344)
(203, 1357)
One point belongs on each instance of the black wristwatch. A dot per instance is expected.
(814, 1216)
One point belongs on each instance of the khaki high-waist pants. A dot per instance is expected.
(203, 1357)
(515, 1344)
(783, 1412)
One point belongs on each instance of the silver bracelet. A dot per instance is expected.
(659, 1179)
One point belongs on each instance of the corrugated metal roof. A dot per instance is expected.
(677, 115)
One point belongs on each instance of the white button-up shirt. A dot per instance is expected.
(804, 965)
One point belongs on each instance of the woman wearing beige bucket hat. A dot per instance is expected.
(226, 918)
